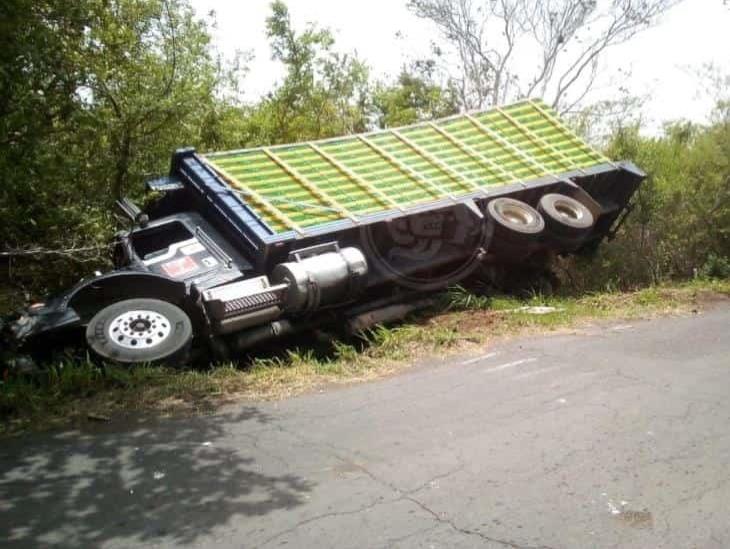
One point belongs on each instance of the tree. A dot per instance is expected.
(40, 76)
(492, 39)
(149, 74)
(680, 225)
(413, 97)
(324, 93)
(95, 94)
(39, 79)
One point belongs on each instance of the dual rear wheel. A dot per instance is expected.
(563, 216)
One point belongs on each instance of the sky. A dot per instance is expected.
(662, 60)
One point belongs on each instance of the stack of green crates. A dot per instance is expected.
(295, 187)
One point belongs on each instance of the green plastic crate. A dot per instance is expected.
(295, 187)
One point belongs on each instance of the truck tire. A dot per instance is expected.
(515, 218)
(140, 331)
(565, 216)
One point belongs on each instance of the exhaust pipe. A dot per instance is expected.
(391, 313)
(261, 334)
(353, 325)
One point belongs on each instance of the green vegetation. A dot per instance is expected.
(77, 392)
(680, 227)
(95, 94)
(414, 98)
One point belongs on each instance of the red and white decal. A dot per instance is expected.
(180, 267)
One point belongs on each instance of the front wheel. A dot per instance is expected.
(140, 330)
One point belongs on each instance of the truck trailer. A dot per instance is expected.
(242, 247)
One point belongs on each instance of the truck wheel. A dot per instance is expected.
(565, 216)
(515, 216)
(140, 330)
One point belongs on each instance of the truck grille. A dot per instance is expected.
(245, 296)
(251, 303)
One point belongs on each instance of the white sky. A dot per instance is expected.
(661, 59)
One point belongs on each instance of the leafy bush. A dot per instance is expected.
(680, 226)
(715, 267)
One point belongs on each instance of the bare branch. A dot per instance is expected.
(586, 89)
(81, 254)
(173, 45)
(488, 37)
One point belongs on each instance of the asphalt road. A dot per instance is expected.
(615, 437)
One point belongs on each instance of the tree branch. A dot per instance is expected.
(487, 37)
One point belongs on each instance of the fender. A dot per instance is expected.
(90, 295)
(61, 314)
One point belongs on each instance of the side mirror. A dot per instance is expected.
(133, 212)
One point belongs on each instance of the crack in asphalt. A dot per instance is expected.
(323, 516)
(614, 378)
(405, 495)
(468, 532)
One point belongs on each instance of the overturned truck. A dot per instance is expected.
(246, 246)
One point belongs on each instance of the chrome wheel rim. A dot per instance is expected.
(517, 215)
(139, 329)
(567, 210)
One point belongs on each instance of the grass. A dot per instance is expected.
(71, 393)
